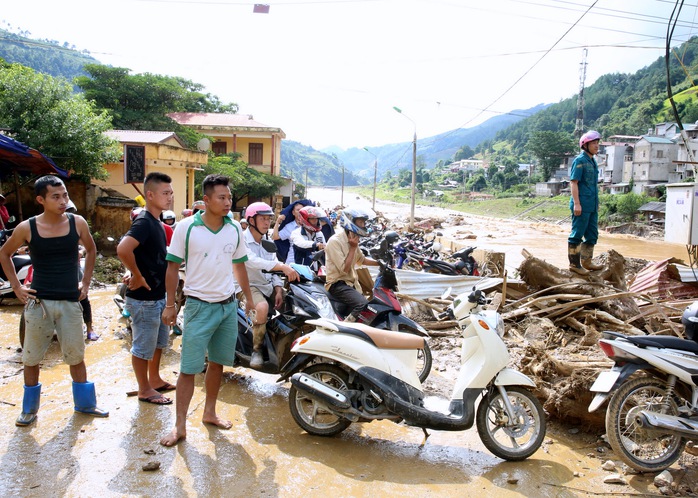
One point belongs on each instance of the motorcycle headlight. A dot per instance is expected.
(324, 306)
(500, 325)
(298, 311)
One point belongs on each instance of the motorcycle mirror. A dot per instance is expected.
(439, 234)
(447, 292)
(269, 246)
(12, 219)
(319, 255)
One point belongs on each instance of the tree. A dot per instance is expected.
(142, 101)
(464, 152)
(44, 113)
(550, 147)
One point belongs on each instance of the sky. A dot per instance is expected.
(330, 72)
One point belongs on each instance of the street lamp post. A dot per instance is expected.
(414, 166)
(375, 175)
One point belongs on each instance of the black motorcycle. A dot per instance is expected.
(303, 301)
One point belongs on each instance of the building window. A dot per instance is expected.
(256, 154)
(219, 148)
(660, 154)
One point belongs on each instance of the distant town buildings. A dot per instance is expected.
(639, 164)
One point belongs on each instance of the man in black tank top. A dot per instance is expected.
(52, 302)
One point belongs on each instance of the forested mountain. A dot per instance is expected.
(430, 150)
(618, 104)
(321, 168)
(45, 56)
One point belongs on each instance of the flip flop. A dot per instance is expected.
(166, 387)
(156, 399)
(162, 389)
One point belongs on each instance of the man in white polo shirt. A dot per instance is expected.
(213, 247)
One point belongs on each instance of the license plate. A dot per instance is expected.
(604, 382)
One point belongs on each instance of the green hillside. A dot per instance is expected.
(616, 104)
(322, 169)
(45, 56)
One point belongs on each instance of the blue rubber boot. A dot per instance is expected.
(86, 400)
(30, 405)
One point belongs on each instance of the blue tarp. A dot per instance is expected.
(16, 156)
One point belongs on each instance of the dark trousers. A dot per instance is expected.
(352, 299)
(86, 310)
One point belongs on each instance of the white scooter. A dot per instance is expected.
(653, 391)
(347, 372)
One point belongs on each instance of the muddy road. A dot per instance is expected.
(264, 454)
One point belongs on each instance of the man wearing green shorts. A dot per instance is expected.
(213, 247)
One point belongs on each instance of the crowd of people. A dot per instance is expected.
(227, 263)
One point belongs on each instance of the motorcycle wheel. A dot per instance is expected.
(645, 451)
(516, 439)
(423, 363)
(312, 416)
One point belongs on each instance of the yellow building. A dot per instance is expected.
(258, 144)
(147, 151)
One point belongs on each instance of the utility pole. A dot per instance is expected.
(579, 124)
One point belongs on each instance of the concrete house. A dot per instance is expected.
(653, 158)
(619, 157)
(683, 169)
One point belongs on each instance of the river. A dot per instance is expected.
(542, 240)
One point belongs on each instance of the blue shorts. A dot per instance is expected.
(149, 333)
(208, 328)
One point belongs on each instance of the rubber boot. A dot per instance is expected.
(85, 399)
(258, 331)
(573, 253)
(587, 254)
(30, 405)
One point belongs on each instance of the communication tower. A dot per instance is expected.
(579, 124)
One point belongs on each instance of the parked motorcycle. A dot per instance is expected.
(22, 264)
(303, 301)
(343, 373)
(385, 312)
(652, 414)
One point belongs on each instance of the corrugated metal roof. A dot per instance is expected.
(143, 136)
(422, 285)
(218, 119)
(656, 206)
(658, 140)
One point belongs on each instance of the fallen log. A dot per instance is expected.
(446, 324)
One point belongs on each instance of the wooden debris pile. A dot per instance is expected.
(555, 320)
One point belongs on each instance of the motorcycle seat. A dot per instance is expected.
(664, 342)
(20, 261)
(382, 339)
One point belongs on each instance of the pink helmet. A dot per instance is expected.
(135, 212)
(589, 136)
(258, 208)
(311, 212)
